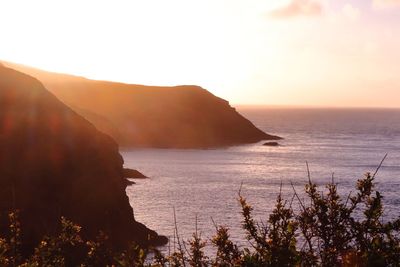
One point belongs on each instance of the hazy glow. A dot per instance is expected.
(297, 52)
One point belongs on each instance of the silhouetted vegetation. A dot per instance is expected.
(327, 230)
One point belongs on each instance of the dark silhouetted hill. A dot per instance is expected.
(150, 116)
(55, 163)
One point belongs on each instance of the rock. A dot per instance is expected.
(271, 144)
(129, 182)
(150, 116)
(129, 173)
(55, 163)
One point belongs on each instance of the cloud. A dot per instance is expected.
(381, 4)
(298, 8)
(351, 12)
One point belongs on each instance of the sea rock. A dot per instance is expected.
(271, 144)
(55, 163)
(130, 173)
(129, 182)
(149, 116)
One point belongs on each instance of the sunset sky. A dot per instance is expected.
(266, 52)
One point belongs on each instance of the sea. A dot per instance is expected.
(194, 190)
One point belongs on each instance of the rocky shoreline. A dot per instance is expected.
(55, 163)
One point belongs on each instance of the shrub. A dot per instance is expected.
(325, 232)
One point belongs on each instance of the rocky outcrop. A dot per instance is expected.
(55, 163)
(150, 116)
(271, 144)
(129, 182)
(135, 174)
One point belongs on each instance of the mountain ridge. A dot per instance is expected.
(182, 116)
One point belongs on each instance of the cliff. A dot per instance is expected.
(55, 163)
(150, 116)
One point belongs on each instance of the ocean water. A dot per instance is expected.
(204, 184)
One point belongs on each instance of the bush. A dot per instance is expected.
(325, 232)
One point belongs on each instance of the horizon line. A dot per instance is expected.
(304, 106)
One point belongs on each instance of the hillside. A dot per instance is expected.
(150, 116)
(55, 163)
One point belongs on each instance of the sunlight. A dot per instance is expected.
(148, 42)
(261, 52)
(201, 133)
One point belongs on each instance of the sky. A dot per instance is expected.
(332, 53)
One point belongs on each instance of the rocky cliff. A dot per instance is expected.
(149, 116)
(53, 162)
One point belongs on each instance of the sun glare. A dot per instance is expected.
(261, 52)
(149, 42)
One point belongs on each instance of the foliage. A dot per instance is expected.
(324, 232)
